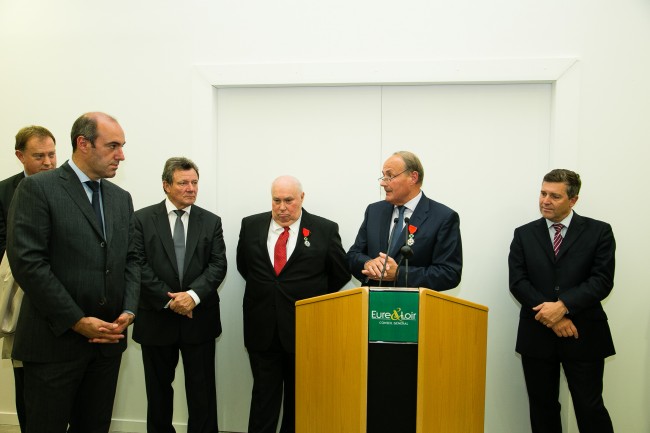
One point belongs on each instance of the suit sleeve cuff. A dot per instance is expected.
(194, 296)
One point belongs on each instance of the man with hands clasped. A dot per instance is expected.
(432, 230)
(70, 239)
(183, 262)
(561, 268)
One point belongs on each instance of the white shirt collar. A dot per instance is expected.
(171, 207)
(565, 222)
(293, 227)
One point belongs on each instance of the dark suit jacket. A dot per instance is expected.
(67, 269)
(269, 300)
(205, 268)
(7, 188)
(581, 276)
(437, 260)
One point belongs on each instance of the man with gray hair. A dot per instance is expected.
(183, 258)
(285, 255)
(407, 223)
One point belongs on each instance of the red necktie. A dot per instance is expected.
(280, 252)
(557, 239)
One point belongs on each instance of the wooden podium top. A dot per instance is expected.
(366, 290)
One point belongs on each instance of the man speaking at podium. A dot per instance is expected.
(415, 226)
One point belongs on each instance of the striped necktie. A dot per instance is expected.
(557, 239)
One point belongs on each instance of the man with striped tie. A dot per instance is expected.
(561, 268)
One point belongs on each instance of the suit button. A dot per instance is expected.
(557, 288)
(102, 244)
(102, 301)
(108, 271)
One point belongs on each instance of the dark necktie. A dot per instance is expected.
(557, 239)
(94, 186)
(397, 229)
(179, 243)
(280, 252)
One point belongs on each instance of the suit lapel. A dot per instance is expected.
(195, 222)
(77, 193)
(419, 216)
(108, 198)
(575, 229)
(18, 179)
(262, 236)
(385, 222)
(305, 222)
(541, 233)
(160, 220)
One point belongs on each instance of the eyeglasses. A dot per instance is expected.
(387, 179)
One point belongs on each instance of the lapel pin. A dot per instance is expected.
(305, 233)
(411, 239)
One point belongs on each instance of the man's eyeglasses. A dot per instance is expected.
(387, 179)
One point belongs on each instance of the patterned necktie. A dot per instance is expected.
(280, 252)
(94, 186)
(557, 239)
(397, 229)
(179, 243)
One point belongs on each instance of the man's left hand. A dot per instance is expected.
(122, 322)
(182, 303)
(550, 313)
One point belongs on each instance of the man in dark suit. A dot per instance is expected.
(284, 255)
(416, 225)
(70, 249)
(561, 268)
(183, 263)
(35, 148)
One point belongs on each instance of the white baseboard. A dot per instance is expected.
(138, 426)
(8, 418)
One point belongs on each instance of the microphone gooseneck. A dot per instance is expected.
(381, 277)
(406, 251)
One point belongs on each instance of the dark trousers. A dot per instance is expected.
(75, 396)
(273, 375)
(585, 380)
(19, 384)
(200, 386)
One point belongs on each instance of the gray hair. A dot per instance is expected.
(412, 163)
(177, 163)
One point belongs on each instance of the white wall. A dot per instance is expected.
(135, 60)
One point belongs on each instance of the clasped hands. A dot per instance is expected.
(553, 315)
(181, 303)
(373, 267)
(99, 331)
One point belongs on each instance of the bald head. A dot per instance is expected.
(287, 196)
(97, 142)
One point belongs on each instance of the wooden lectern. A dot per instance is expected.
(334, 371)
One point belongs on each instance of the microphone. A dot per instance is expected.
(390, 237)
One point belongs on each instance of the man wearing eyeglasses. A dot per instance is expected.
(407, 223)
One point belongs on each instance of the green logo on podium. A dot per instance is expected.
(393, 316)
